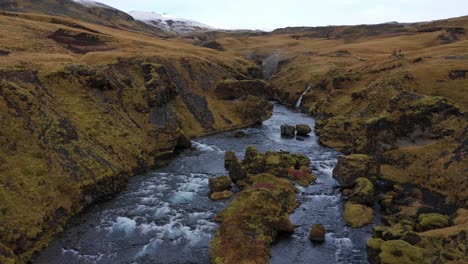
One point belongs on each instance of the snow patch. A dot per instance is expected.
(169, 23)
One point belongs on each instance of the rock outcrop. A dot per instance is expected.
(352, 167)
(252, 221)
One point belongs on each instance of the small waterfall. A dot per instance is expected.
(299, 101)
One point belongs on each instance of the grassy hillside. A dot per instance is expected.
(83, 107)
(356, 77)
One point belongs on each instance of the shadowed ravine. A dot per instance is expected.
(166, 216)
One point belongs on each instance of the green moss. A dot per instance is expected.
(433, 221)
(357, 215)
(251, 222)
(351, 167)
(363, 192)
(219, 184)
(401, 252)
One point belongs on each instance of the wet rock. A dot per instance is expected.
(302, 176)
(253, 220)
(237, 171)
(219, 184)
(254, 162)
(351, 167)
(229, 157)
(240, 134)
(433, 221)
(288, 131)
(357, 215)
(303, 130)
(224, 195)
(363, 192)
(183, 142)
(317, 234)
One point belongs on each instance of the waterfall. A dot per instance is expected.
(299, 101)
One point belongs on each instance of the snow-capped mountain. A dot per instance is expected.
(170, 23)
(91, 3)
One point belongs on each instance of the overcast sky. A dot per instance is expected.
(271, 14)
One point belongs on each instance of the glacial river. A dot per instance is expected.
(165, 216)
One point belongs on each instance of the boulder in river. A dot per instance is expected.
(219, 184)
(229, 157)
(351, 167)
(237, 171)
(250, 223)
(303, 129)
(358, 215)
(288, 130)
(317, 234)
(240, 134)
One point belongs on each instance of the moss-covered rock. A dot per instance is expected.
(363, 192)
(373, 249)
(302, 176)
(351, 167)
(229, 157)
(401, 252)
(237, 170)
(250, 223)
(222, 195)
(254, 162)
(219, 184)
(288, 131)
(303, 129)
(317, 233)
(357, 215)
(433, 221)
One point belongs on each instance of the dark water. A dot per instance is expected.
(166, 217)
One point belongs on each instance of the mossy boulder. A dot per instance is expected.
(433, 221)
(358, 215)
(303, 129)
(302, 176)
(229, 157)
(363, 192)
(240, 134)
(288, 131)
(317, 233)
(373, 249)
(219, 184)
(237, 171)
(254, 162)
(395, 252)
(216, 196)
(351, 167)
(250, 223)
(401, 252)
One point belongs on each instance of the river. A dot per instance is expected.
(165, 216)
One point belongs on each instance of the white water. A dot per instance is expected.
(299, 101)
